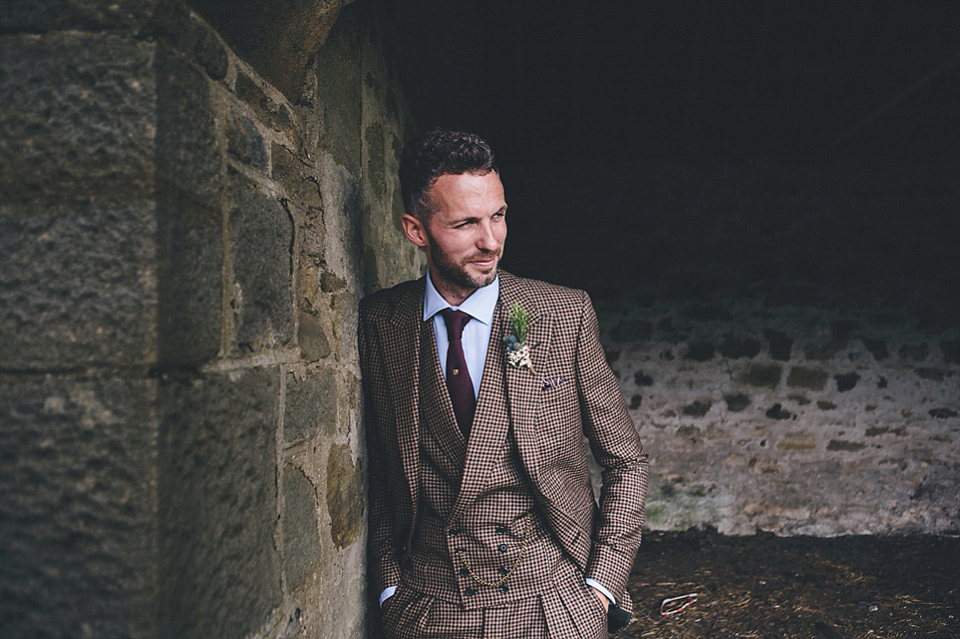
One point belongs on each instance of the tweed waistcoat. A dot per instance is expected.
(499, 548)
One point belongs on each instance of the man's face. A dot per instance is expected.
(464, 237)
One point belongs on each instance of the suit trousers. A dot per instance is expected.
(565, 609)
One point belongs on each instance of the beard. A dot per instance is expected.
(456, 273)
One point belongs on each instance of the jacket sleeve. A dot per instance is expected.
(378, 417)
(616, 447)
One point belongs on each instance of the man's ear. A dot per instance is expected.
(414, 230)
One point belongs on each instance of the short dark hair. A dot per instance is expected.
(439, 152)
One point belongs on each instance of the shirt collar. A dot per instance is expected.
(480, 305)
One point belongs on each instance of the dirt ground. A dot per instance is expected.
(800, 587)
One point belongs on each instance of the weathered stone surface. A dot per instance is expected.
(797, 441)
(699, 352)
(188, 152)
(218, 504)
(809, 378)
(78, 117)
(312, 338)
(261, 236)
(245, 143)
(697, 408)
(950, 350)
(932, 374)
(191, 281)
(339, 90)
(77, 507)
(301, 539)
(632, 331)
(943, 413)
(843, 445)
(296, 179)
(193, 37)
(642, 379)
(376, 164)
(915, 352)
(277, 43)
(345, 503)
(846, 381)
(825, 405)
(311, 403)
(77, 284)
(877, 348)
(35, 16)
(781, 344)
(762, 375)
(736, 403)
(777, 412)
(735, 348)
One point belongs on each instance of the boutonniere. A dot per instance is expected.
(518, 351)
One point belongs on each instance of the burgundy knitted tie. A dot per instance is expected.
(458, 377)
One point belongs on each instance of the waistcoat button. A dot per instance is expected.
(503, 588)
(501, 529)
(469, 592)
(502, 548)
(464, 572)
(454, 532)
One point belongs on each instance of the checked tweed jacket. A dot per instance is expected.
(571, 392)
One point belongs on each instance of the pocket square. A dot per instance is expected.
(551, 382)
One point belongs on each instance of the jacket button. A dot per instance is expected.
(454, 532)
(501, 529)
(502, 548)
(469, 592)
(503, 588)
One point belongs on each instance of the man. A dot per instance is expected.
(480, 387)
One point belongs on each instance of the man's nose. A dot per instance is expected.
(487, 240)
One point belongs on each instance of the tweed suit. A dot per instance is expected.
(542, 414)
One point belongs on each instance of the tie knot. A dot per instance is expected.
(455, 321)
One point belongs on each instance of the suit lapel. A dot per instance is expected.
(508, 396)
(405, 371)
(522, 384)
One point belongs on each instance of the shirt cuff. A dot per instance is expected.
(386, 593)
(593, 583)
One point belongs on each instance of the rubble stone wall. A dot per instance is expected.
(182, 249)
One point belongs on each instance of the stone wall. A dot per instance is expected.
(182, 249)
(787, 333)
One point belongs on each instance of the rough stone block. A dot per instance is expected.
(301, 539)
(261, 236)
(846, 381)
(809, 378)
(39, 16)
(188, 151)
(699, 352)
(345, 503)
(77, 508)
(312, 338)
(193, 37)
(78, 117)
(735, 348)
(311, 402)
(191, 281)
(781, 344)
(245, 143)
(77, 285)
(218, 504)
(339, 89)
(295, 177)
(736, 403)
(762, 376)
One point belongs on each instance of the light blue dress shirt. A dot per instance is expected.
(476, 333)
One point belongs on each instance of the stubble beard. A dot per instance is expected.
(455, 274)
